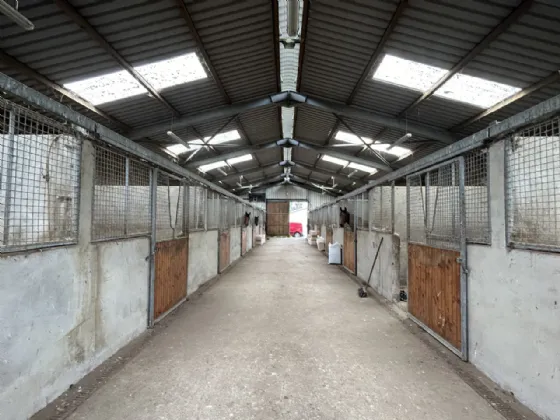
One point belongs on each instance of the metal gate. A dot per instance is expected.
(437, 257)
(349, 250)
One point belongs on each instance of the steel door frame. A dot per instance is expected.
(462, 248)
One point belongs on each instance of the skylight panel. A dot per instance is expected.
(472, 90)
(351, 138)
(177, 149)
(363, 168)
(222, 137)
(240, 159)
(107, 88)
(173, 71)
(210, 166)
(120, 85)
(337, 161)
(398, 151)
(475, 90)
(407, 73)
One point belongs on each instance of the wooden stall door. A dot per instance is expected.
(278, 218)
(243, 241)
(224, 250)
(171, 263)
(349, 251)
(434, 290)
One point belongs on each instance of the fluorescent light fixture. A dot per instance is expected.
(177, 149)
(331, 159)
(472, 90)
(363, 168)
(210, 166)
(407, 73)
(240, 159)
(15, 16)
(120, 85)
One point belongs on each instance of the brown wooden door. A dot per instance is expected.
(434, 290)
(278, 218)
(224, 250)
(243, 241)
(329, 238)
(349, 251)
(171, 267)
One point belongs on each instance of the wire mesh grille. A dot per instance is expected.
(213, 212)
(362, 211)
(476, 197)
(197, 207)
(416, 212)
(382, 207)
(39, 180)
(169, 205)
(532, 185)
(224, 213)
(138, 203)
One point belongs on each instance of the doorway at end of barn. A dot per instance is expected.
(298, 218)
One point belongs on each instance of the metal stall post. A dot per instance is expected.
(464, 261)
(151, 288)
(10, 159)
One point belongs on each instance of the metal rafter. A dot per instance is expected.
(521, 9)
(28, 71)
(77, 18)
(374, 59)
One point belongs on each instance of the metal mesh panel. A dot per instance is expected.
(197, 207)
(382, 207)
(416, 209)
(169, 213)
(443, 218)
(224, 212)
(121, 197)
(362, 211)
(476, 197)
(532, 186)
(213, 209)
(39, 180)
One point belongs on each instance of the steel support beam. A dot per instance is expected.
(217, 113)
(97, 130)
(82, 22)
(344, 110)
(553, 78)
(247, 172)
(28, 71)
(375, 57)
(523, 7)
(236, 153)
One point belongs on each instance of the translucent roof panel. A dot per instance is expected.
(240, 159)
(460, 87)
(174, 71)
(120, 85)
(351, 138)
(363, 168)
(210, 166)
(177, 149)
(398, 151)
(337, 161)
(407, 73)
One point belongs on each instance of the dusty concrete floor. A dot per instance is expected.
(283, 335)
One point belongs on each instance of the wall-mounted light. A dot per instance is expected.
(178, 139)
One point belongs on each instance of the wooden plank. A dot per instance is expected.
(434, 285)
(224, 251)
(171, 270)
(349, 251)
(278, 218)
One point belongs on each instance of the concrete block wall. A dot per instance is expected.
(385, 276)
(203, 258)
(514, 310)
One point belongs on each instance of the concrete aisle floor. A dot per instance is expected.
(283, 335)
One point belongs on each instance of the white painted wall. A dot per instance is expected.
(514, 310)
(249, 237)
(234, 244)
(63, 311)
(203, 258)
(385, 276)
(338, 235)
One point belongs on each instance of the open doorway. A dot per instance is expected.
(298, 219)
